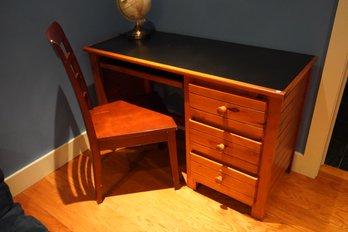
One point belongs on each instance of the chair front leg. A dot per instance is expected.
(173, 158)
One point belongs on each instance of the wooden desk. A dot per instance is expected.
(243, 105)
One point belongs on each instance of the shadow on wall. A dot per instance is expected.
(74, 180)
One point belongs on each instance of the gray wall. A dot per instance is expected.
(38, 108)
(302, 26)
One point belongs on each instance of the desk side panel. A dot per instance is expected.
(290, 118)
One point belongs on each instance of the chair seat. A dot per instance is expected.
(126, 116)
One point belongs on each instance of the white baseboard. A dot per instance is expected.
(303, 165)
(35, 171)
(46, 164)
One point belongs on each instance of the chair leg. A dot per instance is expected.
(97, 177)
(173, 158)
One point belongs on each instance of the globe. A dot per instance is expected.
(135, 11)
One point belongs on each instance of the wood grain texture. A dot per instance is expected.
(142, 199)
(215, 120)
(232, 154)
(289, 125)
(248, 102)
(224, 179)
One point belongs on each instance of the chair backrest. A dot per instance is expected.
(62, 47)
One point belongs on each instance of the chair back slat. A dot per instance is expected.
(62, 48)
(64, 51)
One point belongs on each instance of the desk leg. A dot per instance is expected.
(98, 80)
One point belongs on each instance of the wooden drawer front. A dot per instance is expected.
(236, 127)
(227, 110)
(224, 179)
(225, 147)
(251, 103)
(242, 115)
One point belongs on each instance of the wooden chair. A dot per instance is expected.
(116, 124)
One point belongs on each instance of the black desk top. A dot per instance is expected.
(269, 68)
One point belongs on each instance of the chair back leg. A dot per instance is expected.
(97, 173)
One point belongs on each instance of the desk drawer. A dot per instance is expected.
(228, 105)
(244, 129)
(222, 146)
(224, 179)
(242, 115)
(227, 110)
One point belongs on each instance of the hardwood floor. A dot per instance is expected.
(140, 197)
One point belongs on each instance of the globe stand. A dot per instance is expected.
(138, 32)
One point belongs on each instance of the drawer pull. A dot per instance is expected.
(218, 179)
(221, 110)
(220, 147)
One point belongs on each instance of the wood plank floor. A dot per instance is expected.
(140, 198)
